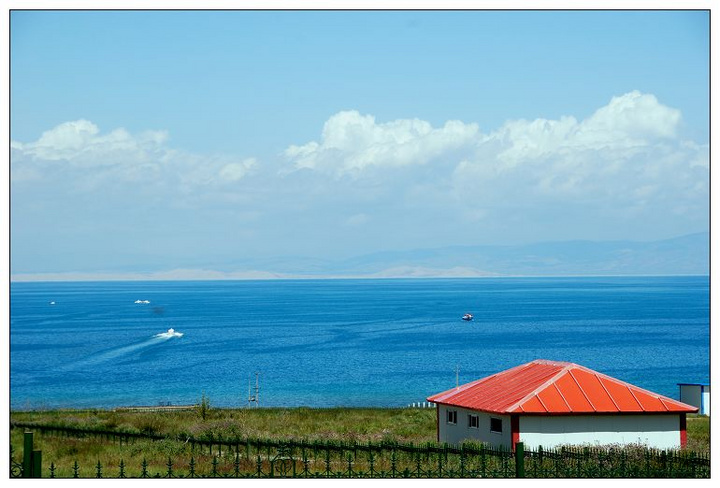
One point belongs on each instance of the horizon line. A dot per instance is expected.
(98, 278)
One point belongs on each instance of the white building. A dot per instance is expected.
(551, 403)
(697, 395)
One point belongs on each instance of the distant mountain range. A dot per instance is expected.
(689, 254)
(685, 255)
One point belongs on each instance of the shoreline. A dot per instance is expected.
(185, 408)
(100, 278)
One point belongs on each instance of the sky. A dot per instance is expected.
(147, 141)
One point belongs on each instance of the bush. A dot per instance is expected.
(204, 407)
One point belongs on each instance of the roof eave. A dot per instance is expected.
(566, 414)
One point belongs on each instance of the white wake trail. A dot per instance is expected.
(111, 354)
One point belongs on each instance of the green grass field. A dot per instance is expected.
(348, 424)
(360, 425)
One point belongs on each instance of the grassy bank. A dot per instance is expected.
(347, 424)
(361, 425)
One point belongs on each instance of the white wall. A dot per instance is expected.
(455, 434)
(659, 431)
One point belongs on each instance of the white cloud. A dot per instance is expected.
(80, 142)
(62, 142)
(365, 176)
(628, 125)
(352, 142)
(232, 172)
(89, 158)
(634, 117)
(523, 139)
(626, 155)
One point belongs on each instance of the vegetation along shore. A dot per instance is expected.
(155, 437)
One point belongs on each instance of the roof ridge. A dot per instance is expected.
(544, 385)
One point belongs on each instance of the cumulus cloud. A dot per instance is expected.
(360, 172)
(634, 117)
(631, 132)
(626, 155)
(352, 142)
(629, 125)
(80, 142)
(93, 158)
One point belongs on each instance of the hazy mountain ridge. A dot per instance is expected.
(684, 255)
(687, 254)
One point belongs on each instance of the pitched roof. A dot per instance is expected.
(555, 387)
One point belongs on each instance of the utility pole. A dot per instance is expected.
(257, 389)
(256, 397)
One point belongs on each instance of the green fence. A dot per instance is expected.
(215, 457)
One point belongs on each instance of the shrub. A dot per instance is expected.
(204, 407)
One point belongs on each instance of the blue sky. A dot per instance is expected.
(151, 141)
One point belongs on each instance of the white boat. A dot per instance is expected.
(171, 333)
(467, 317)
(142, 301)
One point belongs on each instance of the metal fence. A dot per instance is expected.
(263, 458)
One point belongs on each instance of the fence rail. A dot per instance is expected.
(216, 457)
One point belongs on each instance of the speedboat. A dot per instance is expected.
(142, 301)
(467, 317)
(169, 334)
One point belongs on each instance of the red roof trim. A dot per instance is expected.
(608, 393)
(563, 397)
(664, 404)
(582, 391)
(636, 398)
(542, 402)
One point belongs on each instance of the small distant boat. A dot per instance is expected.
(171, 333)
(52, 303)
(142, 301)
(467, 317)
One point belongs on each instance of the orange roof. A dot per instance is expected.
(555, 387)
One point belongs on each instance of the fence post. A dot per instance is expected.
(519, 460)
(27, 463)
(37, 463)
(27, 454)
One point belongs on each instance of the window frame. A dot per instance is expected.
(451, 417)
(473, 419)
(494, 421)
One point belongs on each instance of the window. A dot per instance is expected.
(452, 416)
(473, 421)
(495, 425)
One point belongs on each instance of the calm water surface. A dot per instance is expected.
(342, 342)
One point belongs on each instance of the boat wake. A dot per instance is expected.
(169, 334)
(123, 351)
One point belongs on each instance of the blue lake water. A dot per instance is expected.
(342, 342)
